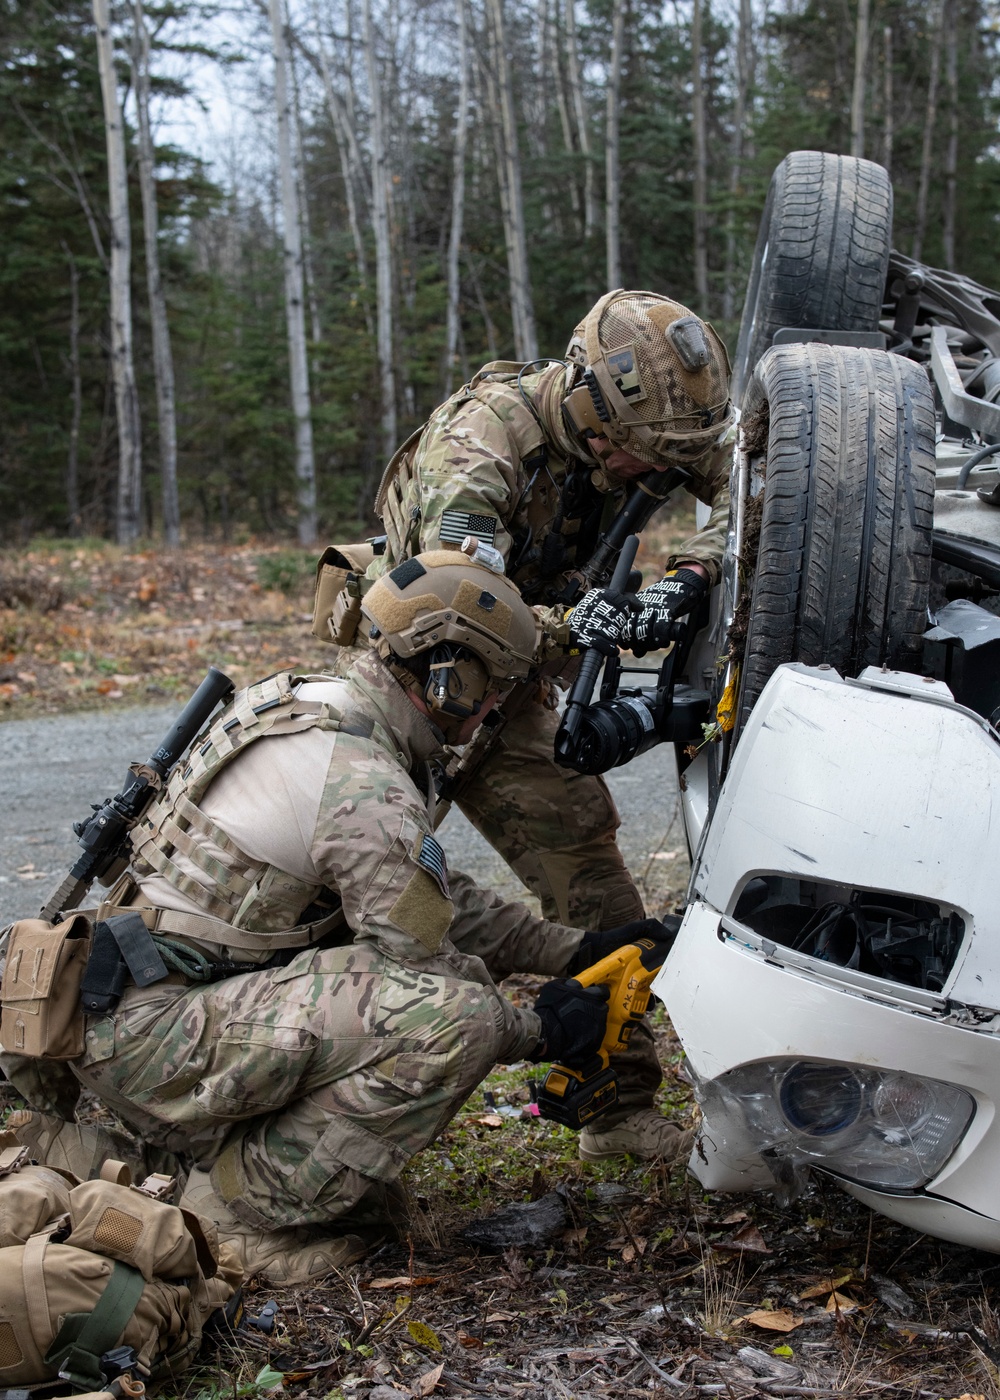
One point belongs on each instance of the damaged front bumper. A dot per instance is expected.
(806, 1049)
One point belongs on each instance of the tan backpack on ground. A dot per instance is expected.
(89, 1267)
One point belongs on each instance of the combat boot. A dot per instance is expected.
(645, 1134)
(281, 1256)
(83, 1148)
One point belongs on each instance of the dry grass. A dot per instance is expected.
(85, 624)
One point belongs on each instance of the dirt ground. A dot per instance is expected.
(649, 1286)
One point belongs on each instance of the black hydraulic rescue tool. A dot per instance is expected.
(104, 834)
(647, 496)
(593, 658)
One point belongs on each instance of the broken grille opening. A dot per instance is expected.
(893, 936)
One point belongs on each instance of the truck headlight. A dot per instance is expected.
(880, 1128)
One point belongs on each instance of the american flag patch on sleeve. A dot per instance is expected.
(431, 857)
(456, 524)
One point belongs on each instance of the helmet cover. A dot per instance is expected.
(656, 378)
(473, 626)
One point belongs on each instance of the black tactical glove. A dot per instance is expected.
(574, 1020)
(595, 946)
(650, 627)
(599, 619)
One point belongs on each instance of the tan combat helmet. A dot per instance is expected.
(655, 378)
(452, 627)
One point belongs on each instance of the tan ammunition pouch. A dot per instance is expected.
(88, 1268)
(40, 1014)
(245, 904)
(335, 614)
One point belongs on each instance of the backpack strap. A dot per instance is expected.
(85, 1337)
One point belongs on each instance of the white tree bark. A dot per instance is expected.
(305, 465)
(383, 243)
(860, 80)
(887, 99)
(744, 63)
(123, 368)
(315, 325)
(349, 155)
(591, 213)
(559, 85)
(522, 306)
(700, 162)
(930, 116)
(163, 362)
(612, 148)
(457, 200)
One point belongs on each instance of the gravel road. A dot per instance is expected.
(52, 769)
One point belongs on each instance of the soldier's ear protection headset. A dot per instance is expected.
(458, 684)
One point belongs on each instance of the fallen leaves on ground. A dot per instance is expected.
(776, 1320)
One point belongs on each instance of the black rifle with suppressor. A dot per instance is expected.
(104, 835)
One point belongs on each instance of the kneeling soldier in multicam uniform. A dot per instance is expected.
(534, 459)
(298, 838)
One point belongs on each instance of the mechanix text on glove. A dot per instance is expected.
(659, 606)
(599, 619)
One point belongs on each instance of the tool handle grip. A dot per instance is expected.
(582, 690)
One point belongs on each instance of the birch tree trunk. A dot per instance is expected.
(612, 171)
(700, 162)
(887, 99)
(951, 154)
(927, 149)
(305, 465)
(860, 81)
(163, 361)
(744, 48)
(315, 325)
(457, 200)
(591, 214)
(522, 306)
(123, 368)
(559, 84)
(76, 382)
(383, 244)
(350, 160)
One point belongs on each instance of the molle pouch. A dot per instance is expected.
(40, 1011)
(336, 564)
(345, 619)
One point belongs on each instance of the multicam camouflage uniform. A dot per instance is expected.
(305, 1086)
(499, 463)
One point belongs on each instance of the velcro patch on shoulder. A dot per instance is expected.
(430, 855)
(456, 524)
(423, 911)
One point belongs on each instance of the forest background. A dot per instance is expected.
(232, 345)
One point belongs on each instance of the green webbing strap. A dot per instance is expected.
(85, 1337)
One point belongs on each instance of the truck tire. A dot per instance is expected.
(839, 570)
(822, 253)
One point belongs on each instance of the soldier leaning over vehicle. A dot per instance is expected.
(300, 1090)
(533, 460)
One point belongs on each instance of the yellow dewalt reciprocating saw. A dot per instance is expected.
(574, 1096)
